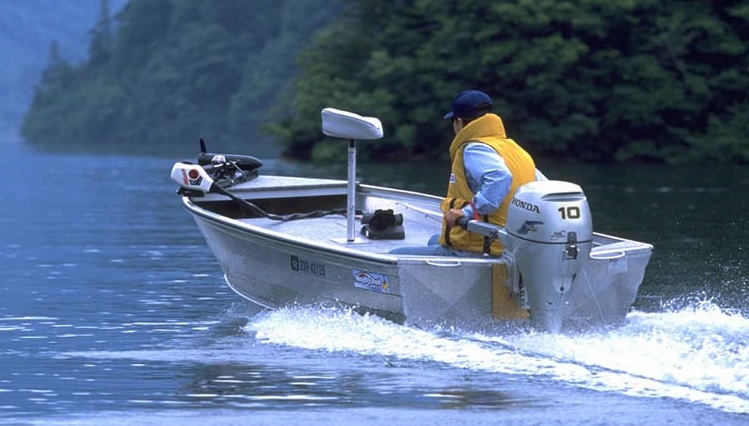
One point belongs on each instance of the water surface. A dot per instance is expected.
(114, 312)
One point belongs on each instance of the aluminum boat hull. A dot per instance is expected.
(312, 262)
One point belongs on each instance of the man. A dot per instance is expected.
(487, 169)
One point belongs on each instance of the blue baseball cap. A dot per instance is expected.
(470, 104)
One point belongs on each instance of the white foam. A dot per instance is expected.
(698, 354)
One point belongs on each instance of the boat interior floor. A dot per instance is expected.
(333, 230)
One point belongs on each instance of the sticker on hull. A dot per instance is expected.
(371, 281)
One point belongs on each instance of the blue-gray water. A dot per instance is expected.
(113, 311)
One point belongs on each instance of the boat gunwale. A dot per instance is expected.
(351, 252)
(386, 259)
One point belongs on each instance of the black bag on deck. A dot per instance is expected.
(383, 225)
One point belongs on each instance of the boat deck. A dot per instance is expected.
(421, 216)
(332, 229)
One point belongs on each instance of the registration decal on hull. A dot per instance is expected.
(307, 266)
(371, 281)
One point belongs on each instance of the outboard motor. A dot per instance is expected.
(550, 233)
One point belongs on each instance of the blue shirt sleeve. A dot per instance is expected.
(488, 178)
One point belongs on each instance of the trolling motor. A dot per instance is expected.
(222, 170)
(244, 163)
(216, 172)
(228, 169)
(196, 180)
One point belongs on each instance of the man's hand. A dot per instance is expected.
(452, 215)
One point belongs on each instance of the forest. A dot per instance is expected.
(587, 80)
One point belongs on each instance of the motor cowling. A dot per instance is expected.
(550, 233)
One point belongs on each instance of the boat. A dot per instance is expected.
(298, 241)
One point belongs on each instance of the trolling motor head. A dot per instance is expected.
(192, 177)
(550, 233)
(223, 170)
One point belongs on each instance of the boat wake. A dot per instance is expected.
(699, 354)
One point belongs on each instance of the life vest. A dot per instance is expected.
(490, 131)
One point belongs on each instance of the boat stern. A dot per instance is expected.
(462, 292)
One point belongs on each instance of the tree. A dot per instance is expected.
(172, 71)
(594, 80)
(101, 37)
(632, 80)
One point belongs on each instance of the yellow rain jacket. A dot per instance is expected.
(488, 130)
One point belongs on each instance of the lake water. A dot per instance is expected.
(113, 311)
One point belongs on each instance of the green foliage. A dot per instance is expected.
(595, 80)
(171, 71)
(101, 36)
